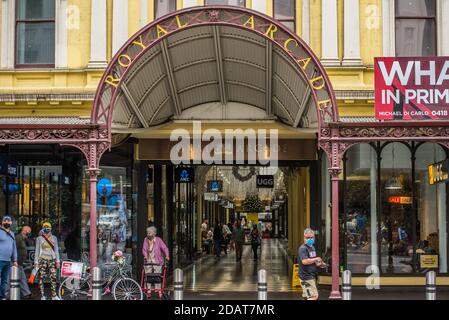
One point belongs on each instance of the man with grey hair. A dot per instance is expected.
(308, 263)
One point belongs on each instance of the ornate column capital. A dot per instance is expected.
(93, 173)
(334, 172)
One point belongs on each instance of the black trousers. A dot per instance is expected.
(255, 247)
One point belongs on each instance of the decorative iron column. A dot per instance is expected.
(93, 178)
(335, 293)
(335, 148)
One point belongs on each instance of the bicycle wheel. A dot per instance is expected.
(127, 289)
(75, 289)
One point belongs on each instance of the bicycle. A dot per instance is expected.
(116, 282)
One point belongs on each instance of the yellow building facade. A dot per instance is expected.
(68, 89)
(346, 35)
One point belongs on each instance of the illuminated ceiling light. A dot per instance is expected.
(393, 184)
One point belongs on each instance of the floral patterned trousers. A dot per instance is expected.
(47, 267)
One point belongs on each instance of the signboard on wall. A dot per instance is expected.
(400, 200)
(8, 167)
(408, 88)
(214, 186)
(265, 181)
(439, 172)
(209, 196)
(428, 261)
(184, 175)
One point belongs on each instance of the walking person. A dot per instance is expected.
(155, 251)
(238, 237)
(8, 254)
(255, 240)
(218, 235)
(46, 259)
(209, 240)
(21, 245)
(227, 234)
(308, 263)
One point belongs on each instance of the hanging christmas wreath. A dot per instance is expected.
(240, 177)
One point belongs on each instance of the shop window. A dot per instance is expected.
(284, 11)
(163, 7)
(114, 211)
(240, 3)
(35, 33)
(38, 194)
(360, 208)
(431, 208)
(397, 225)
(325, 240)
(416, 28)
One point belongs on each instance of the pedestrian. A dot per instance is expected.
(155, 251)
(238, 237)
(8, 254)
(218, 235)
(255, 240)
(227, 234)
(21, 245)
(46, 259)
(209, 240)
(308, 263)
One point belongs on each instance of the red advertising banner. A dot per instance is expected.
(412, 88)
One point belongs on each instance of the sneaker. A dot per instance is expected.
(55, 298)
(43, 298)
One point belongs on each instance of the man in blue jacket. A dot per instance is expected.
(8, 254)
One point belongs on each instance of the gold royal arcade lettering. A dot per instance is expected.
(160, 30)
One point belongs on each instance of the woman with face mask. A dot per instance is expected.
(46, 259)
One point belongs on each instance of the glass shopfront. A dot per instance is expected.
(390, 214)
(43, 187)
(116, 207)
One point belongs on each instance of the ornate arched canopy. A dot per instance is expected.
(230, 58)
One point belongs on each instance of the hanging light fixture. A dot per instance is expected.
(394, 183)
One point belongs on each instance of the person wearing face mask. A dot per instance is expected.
(308, 263)
(22, 254)
(8, 254)
(46, 259)
(154, 251)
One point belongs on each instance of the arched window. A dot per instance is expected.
(396, 222)
(431, 206)
(360, 209)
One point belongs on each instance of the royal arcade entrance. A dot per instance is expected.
(229, 68)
